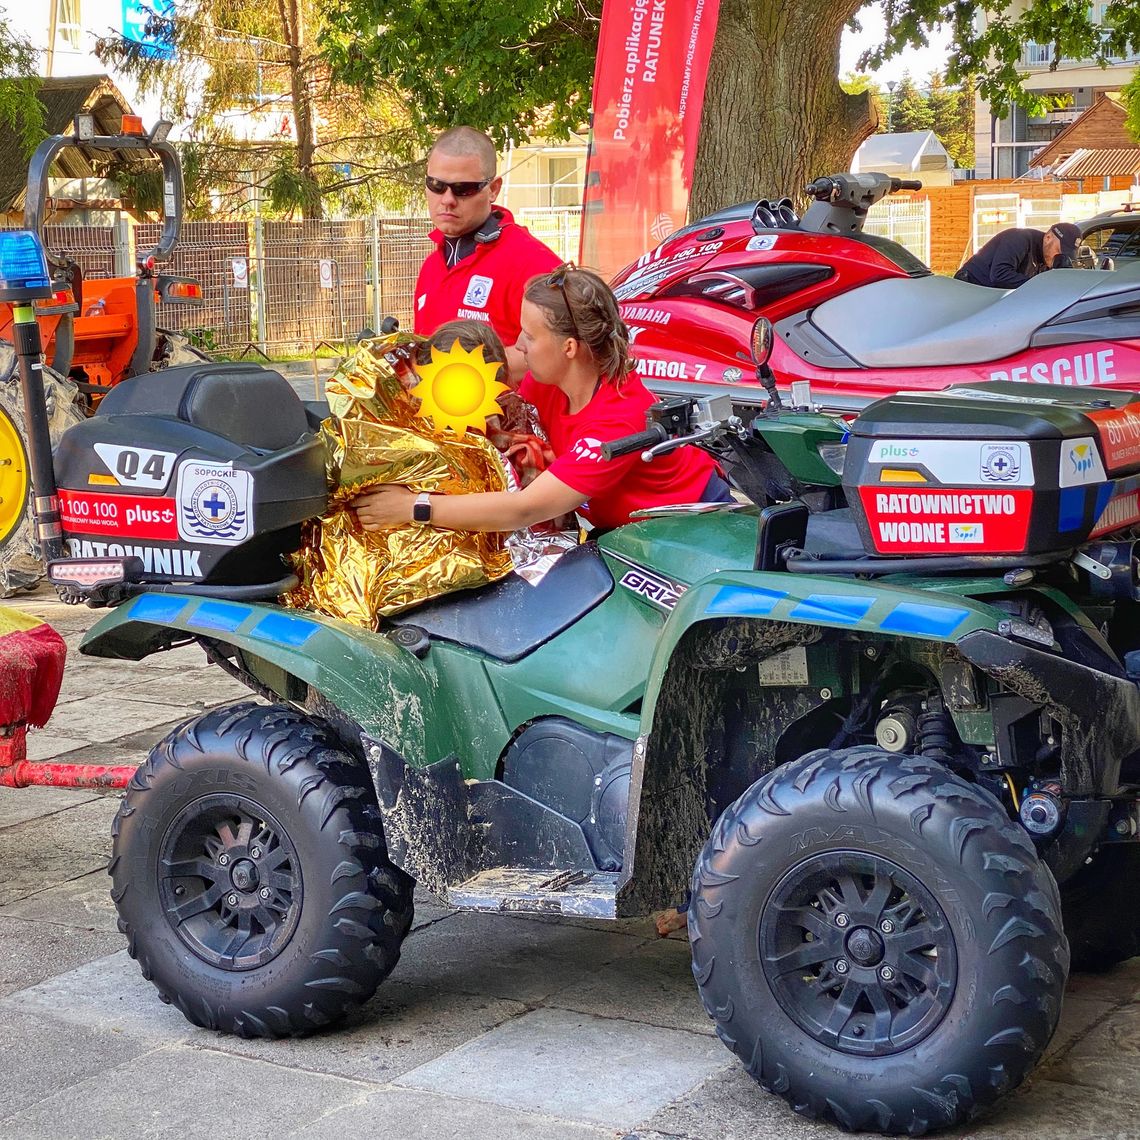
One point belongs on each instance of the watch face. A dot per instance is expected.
(421, 512)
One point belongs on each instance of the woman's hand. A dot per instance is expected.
(384, 507)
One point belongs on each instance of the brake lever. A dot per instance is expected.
(667, 445)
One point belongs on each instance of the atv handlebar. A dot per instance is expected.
(858, 189)
(639, 441)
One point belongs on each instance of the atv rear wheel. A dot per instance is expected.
(20, 568)
(877, 941)
(251, 877)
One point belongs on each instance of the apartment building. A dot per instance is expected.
(1005, 146)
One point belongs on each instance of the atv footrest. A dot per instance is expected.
(582, 893)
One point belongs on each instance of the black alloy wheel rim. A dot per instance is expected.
(230, 882)
(858, 953)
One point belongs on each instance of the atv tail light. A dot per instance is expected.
(89, 573)
(132, 125)
(901, 475)
(833, 454)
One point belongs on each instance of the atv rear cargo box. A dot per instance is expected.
(984, 469)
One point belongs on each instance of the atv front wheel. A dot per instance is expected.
(251, 878)
(877, 941)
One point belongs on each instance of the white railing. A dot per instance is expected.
(907, 222)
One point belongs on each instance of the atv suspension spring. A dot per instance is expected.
(936, 732)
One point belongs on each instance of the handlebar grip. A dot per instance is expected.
(909, 184)
(639, 441)
(821, 188)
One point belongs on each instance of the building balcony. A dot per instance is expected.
(1036, 55)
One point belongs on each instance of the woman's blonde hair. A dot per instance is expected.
(579, 304)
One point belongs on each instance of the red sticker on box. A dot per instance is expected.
(939, 522)
(129, 517)
(1119, 431)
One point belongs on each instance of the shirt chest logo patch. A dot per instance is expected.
(588, 449)
(478, 291)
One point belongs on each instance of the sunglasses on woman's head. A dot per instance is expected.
(557, 281)
(459, 189)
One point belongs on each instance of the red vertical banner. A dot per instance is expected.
(649, 87)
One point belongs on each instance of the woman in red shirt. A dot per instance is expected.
(580, 379)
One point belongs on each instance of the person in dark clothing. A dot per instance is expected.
(1013, 256)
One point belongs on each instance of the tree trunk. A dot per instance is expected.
(293, 21)
(775, 116)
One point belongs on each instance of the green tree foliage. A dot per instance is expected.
(263, 119)
(524, 67)
(945, 110)
(19, 82)
(516, 69)
(1131, 94)
(910, 109)
(989, 36)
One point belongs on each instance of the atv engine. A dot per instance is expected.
(203, 473)
(994, 469)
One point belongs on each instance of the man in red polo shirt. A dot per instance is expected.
(483, 259)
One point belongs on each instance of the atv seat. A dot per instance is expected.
(245, 403)
(511, 618)
(919, 322)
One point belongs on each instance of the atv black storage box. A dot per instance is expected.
(998, 468)
(205, 472)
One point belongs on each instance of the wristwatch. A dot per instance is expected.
(421, 508)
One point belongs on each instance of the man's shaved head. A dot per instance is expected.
(461, 142)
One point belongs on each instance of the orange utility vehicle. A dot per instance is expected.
(101, 331)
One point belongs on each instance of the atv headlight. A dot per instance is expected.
(833, 454)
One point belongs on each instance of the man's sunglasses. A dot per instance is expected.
(459, 189)
(557, 281)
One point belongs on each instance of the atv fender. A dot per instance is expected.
(749, 616)
(380, 686)
(798, 600)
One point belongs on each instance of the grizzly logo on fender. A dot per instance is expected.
(652, 588)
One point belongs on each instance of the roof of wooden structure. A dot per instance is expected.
(63, 98)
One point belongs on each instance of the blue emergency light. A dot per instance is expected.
(23, 267)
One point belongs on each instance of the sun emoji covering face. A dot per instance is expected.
(458, 388)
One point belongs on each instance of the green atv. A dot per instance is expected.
(863, 728)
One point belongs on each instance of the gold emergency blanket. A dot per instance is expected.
(375, 435)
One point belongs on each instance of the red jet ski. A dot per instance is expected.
(857, 315)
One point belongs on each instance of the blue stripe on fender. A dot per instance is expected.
(156, 608)
(840, 608)
(224, 616)
(744, 600)
(915, 617)
(284, 629)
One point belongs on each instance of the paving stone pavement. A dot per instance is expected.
(490, 1026)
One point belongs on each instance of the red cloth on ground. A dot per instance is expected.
(621, 485)
(31, 670)
(487, 286)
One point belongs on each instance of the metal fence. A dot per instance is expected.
(558, 228)
(906, 222)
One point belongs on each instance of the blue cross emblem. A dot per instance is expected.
(1000, 464)
(215, 506)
